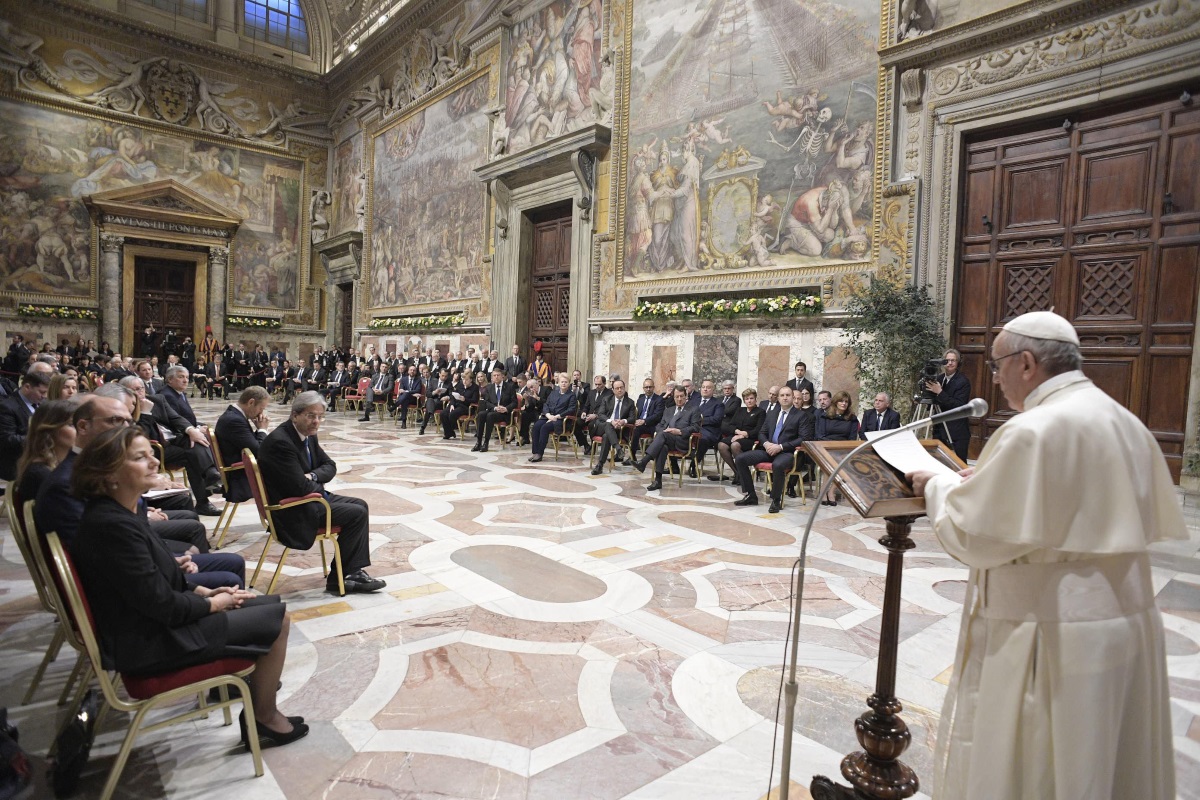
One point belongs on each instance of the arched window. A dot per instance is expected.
(188, 9)
(277, 22)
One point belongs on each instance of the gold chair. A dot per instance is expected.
(798, 469)
(329, 532)
(160, 454)
(624, 439)
(503, 428)
(147, 692)
(684, 456)
(229, 509)
(467, 420)
(568, 430)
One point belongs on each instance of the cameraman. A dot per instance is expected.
(950, 390)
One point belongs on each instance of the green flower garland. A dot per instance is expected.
(262, 323)
(418, 323)
(784, 305)
(56, 312)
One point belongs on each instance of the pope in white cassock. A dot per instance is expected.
(1060, 680)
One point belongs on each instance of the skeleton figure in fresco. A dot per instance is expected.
(849, 151)
(792, 113)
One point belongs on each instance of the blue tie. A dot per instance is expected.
(779, 426)
(643, 413)
(308, 452)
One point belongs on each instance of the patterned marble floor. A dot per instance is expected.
(549, 634)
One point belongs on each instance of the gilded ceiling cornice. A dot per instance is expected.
(380, 46)
(987, 32)
(144, 29)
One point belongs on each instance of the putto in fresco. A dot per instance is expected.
(751, 135)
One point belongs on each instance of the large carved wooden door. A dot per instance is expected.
(549, 307)
(1100, 220)
(164, 292)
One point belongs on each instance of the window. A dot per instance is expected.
(276, 22)
(188, 9)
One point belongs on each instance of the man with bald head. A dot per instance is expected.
(1060, 684)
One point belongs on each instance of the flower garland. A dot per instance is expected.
(784, 305)
(415, 323)
(261, 323)
(56, 312)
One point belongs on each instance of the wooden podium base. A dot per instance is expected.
(876, 771)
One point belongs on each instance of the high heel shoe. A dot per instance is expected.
(270, 738)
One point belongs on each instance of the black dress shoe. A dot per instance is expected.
(476, 449)
(422, 431)
(535, 459)
(791, 492)
(775, 507)
(748, 500)
(717, 478)
(655, 486)
(357, 582)
(483, 449)
(587, 449)
(627, 462)
(207, 509)
(692, 471)
(640, 466)
(270, 738)
(364, 419)
(598, 471)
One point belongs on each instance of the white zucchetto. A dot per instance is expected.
(1043, 325)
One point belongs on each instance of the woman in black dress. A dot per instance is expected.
(837, 423)
(51, 437)
(738, 432)
(147, 618)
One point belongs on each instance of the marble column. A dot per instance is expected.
(110, 288)
(506, 275)
(218, 267)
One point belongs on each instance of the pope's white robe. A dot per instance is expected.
(1060, 686)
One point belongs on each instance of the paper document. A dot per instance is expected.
(154, 494)
(904, 452)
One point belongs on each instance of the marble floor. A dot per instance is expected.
(549, 634)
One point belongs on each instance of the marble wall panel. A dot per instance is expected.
(618, 361)
(715, 356)
(480, 341)
(665, 365)
(774, 366)
(841, 373)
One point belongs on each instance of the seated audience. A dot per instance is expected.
(174, 393)
(339, 379)
(294, 465)
(561, 403)
(50, 439)
(782, 431)
(534, 396)
(63, 387)
(15, 411)
(464, 395)
(243, 426)
(881, 417)
(149, 619)
(590, 404)
(436, 391)
(409, 390)
(674, 431)
(739, 432)
(378, 390)
(496, 402)
(712, 413)
(649, 411)
(837, 423)
(614, 419)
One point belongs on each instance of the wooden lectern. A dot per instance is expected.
(875, 489)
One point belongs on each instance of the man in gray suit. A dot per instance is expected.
(673, 432)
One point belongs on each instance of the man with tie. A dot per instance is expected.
(593, 401)
(215, 378)
(729, 398)
(800, 382)
(880, 418)
(145, 370)
(377, 391)
(673, 433)
(772, 403)
(332, 389)
(515, 365)
(492, 360)
(243, 426)
(435, 391)
(175, 393)
(618, 414)
(496, 403)
(294, 465)
(298, 382)
(411, 387)
(15, 412)
(649, 412)
(535, 396)
(781, 433)
(712, 412)
(241, 367)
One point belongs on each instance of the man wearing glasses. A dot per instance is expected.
(294, 465)
(649, 411)
(1060, 678)
(950, 390)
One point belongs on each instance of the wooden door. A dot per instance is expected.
(346, 310)
(164, 292)
(1099, 220)
(550, 300)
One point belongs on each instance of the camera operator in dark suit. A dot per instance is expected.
(950, 390)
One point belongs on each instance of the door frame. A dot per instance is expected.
(128, 277)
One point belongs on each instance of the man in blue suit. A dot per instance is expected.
(649, 411)
(880, 418)
(175, 393)
(712, 412)
(783, 430)
(673, 432)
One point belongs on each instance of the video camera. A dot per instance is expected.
(929, 372)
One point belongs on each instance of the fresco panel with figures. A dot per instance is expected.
(49, 160)
(428, 216)
(751, 135)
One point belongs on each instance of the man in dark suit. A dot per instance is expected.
(18, 355)
(782, 431)
(951, 390)
(880, 418)
(242, 364)
(216, 381)
(277, 372)
(491, 361)
(617, 415)
(592, 401)
(650, 408)
(243, 426)
(800, 382)
(293, 465)
(712, 412)
(535, 396)
(378, 391)
(175, 393)
(515, 364)
(145, 371)
(729, 398)
(15, 411)
(116, 369)
(496, 402)
(409, 391)
(436, 390)
(673, 432)
(338, 380)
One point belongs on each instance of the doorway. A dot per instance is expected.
(550, 282)
(164, 293)
(1099, 219)
(345, 315)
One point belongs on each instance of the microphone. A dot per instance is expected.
(976, 409)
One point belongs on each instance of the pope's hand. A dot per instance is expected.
(918, 481)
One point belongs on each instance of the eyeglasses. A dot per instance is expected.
(115, 421)
(994, 364)
(314, 417)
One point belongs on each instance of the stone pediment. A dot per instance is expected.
(166, 201)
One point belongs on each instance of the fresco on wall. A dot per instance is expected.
(347, 188)
(752, 135)
(49, 160)
(553, 72)
(428, 213)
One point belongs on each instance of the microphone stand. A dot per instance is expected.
(791, 688)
